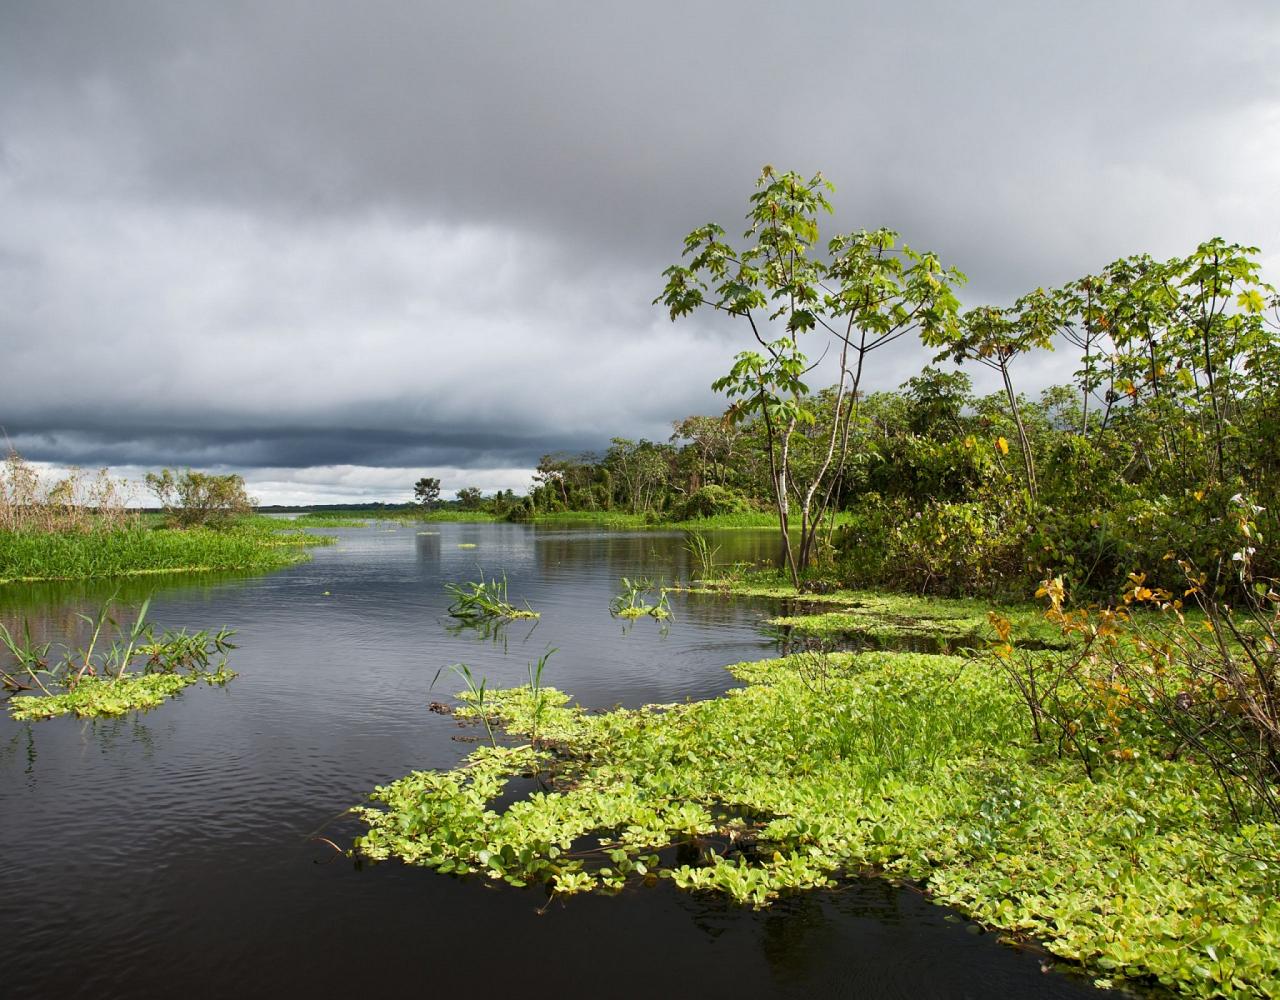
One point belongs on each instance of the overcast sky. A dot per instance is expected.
(336, 246)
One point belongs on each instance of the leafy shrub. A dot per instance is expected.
(1145, 677)
(711, 500)
(191, 498)
(945, 548)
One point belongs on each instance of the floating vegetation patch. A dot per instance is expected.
(796, 638)
(97, 680)
(826, 765)
(323, 520)
(633, 601)
(874, 620)
(98, 697)
(479, 601)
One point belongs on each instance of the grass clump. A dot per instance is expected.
(631, 603)
(477, 601)
(325, 520)
(701, 553)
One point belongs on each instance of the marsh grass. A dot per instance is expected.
(253, 544)
(701, 552)
(538, 700)
(474, 695)
(631, 603)
(480, 601)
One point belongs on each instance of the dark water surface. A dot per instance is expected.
(169, 854)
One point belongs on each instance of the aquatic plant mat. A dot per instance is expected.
(96, 680)
(826, 765)
(100, 697)
(876, 619)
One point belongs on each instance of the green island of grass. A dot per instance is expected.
(879, 616)
(147, 546)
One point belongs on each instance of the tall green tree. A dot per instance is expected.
(426, 490)
(866, 293)
(994, 337)
(470, 498)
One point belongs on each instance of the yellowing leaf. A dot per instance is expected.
(1003, 445)
(1251, 301)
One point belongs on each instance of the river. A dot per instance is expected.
(176, 853)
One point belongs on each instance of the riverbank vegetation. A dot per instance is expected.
(81, 527)
(142, 548)
(1161, 443)
(614, 520)
(99, 678)
(355, 517)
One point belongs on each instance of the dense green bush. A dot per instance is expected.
(946, 548)
(709, 501)
(200, 498)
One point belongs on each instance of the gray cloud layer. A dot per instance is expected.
(406, 234)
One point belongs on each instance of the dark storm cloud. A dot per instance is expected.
(437, 227)
(145, 445)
